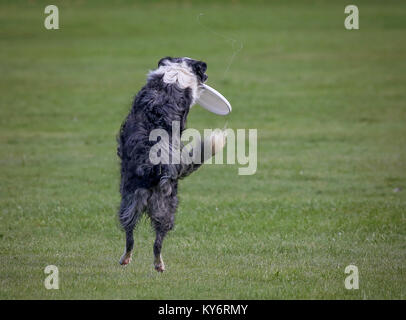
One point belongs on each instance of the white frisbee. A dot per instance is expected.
(213, 101)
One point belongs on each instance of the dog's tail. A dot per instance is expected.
(131, 208)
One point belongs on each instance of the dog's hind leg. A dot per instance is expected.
(161, 229)
(162, 213)
(158, 262)
(126, 257)
(129, 214)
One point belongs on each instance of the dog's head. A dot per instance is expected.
(196, 67)
(185, 73)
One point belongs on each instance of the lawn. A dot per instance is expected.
(329, 105)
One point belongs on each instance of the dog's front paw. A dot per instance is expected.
(125, 258)
(218, 140)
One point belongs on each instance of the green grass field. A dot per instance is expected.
(330, 190)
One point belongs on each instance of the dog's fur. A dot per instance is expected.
(170, 91)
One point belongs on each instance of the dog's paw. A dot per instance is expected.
(125, 258)
(159, 265)
(218, 140)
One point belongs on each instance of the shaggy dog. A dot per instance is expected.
(170, 91)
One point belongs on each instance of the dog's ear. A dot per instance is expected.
(162, 61)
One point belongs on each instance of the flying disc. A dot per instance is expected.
(213, 101)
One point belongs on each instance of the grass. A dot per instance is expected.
(330, 189)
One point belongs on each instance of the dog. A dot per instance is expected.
(171, 90)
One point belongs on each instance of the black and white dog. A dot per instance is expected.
(170, 91)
